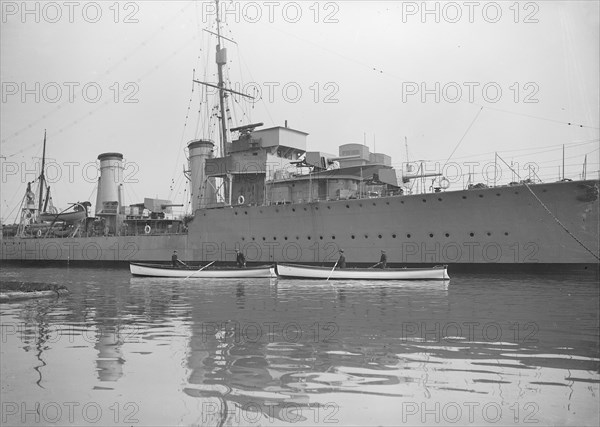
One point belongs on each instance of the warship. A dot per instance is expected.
(265, 194)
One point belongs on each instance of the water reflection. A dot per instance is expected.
(35, 334)
(258, 351)
(110, 356)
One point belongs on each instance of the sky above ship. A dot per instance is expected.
(449, 83)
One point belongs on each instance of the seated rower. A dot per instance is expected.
(240, 259)
(341, 263)
(176, 262)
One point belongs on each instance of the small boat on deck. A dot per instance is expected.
(74, 213)
(69, 217)
(162, 270)
(310, 272)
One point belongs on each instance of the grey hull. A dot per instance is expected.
(492, 226)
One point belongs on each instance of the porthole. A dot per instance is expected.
(293, 209)
(464, 197)
(424, 200)
(488, 233)
(408, 236)
(430, 234)
(481, 195)
(439, 199)
(347, 206)
(332, 237)
(366, 236)
(471, 234)
(379, 236)
(447, 235)
(352, 237)
(393, 236)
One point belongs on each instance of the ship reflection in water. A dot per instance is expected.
(483, 350)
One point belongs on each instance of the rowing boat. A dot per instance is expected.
(162, 270)
(310, 272)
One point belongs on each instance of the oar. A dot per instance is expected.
(200, 269)
(336, 263)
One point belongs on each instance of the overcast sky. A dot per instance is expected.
(508, 78)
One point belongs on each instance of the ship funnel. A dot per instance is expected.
(110, 181)
(202, 187)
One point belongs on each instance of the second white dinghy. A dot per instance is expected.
(310, 272)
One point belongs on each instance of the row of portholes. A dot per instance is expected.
(375, 204)
(315, 208)
(387, 203)
(366, 236)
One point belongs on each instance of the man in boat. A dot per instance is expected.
(240, 259)
(382, 261)
(341, 260)
(176, 262)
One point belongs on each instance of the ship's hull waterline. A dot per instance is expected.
(502, 226)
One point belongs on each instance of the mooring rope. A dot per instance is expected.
(560, 223)
(550, 212)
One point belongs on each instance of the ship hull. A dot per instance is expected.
(502, 228)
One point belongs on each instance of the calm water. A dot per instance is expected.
(481, 350)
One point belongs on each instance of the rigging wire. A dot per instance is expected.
(106, 73)
(110, 101)
(392, 76)
(562, 122)
(463, 137)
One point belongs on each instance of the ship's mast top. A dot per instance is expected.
(221, 60)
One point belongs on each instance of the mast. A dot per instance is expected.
(42, 178)
(221, 60)
(563, 175)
